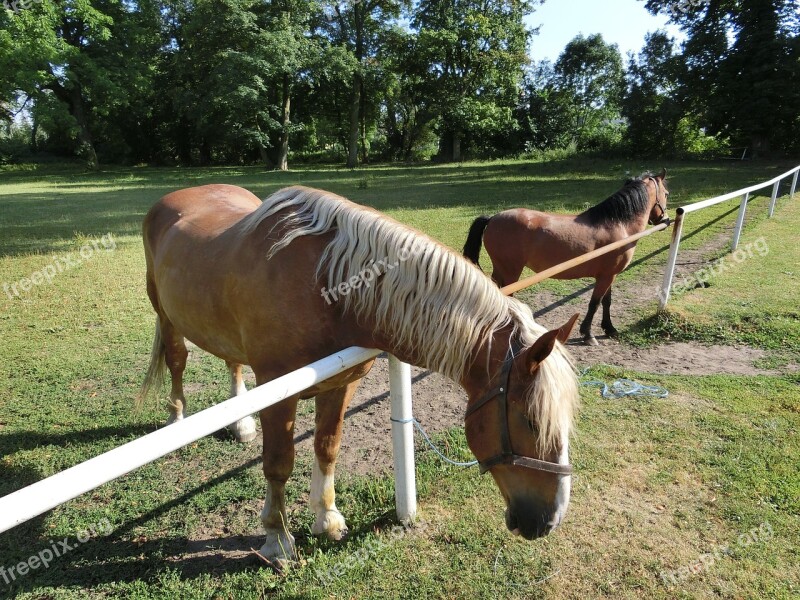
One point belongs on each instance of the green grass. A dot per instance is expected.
(659, 482)
(747, 297)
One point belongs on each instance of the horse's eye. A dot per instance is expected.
(531, 426)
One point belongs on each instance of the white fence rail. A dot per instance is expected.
(37, 498)
(680, 214)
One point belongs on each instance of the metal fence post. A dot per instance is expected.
(737, 232)
(405, 484)
(794, 183)
(774, 197)
(669, 271)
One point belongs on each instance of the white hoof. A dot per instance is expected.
(244, 430)
(173, 418)
(279, 548)
(332, 523)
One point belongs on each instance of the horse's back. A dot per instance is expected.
(540, 240)
(209, 208)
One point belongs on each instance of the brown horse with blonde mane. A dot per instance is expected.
(251, 282)
(520, 237)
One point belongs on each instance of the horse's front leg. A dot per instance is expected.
(277, 427)
(606, 324)
(244, 430)
(330, 409)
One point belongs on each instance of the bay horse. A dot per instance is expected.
(521, 237)
(247, 282)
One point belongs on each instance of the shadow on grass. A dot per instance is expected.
(121, 556)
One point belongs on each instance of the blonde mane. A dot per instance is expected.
(428, 300)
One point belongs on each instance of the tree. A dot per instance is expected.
(361, 27)
(649, 105)
(590, 72)
(742, 68)
(475, 52)
(545, 113)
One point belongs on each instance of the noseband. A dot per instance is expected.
(506, 455)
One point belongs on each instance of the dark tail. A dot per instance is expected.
(472, 247)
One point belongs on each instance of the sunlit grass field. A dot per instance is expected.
(660, 484)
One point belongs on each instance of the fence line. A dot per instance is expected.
(512, 288)
(680, 213)
(37, 498)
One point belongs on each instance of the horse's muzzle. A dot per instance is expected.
(529, 526)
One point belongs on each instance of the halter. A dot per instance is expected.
(658, 202)
(506, 454)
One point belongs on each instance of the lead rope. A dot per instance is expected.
(620, 388)
(433, 446)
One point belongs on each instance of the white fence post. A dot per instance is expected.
(666, 285)
(405, 483)
(737, 232)
(794, 183)
(774, 197)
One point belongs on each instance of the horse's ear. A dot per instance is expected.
(566, 329)
(541, 349)
(663, 174)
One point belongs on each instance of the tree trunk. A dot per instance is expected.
(355, 105)
(283, 150)
(456, 146)
(34, 132)
(262, 150)
(363, 126)
(84, 135)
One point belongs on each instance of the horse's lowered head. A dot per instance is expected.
(658, 197)
(517, 424)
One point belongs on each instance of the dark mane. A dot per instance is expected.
(625, 204)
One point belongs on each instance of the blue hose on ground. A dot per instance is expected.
(623, 388)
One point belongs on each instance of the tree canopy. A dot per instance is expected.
(263, 81)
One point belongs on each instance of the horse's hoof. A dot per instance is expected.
(244, 430)
(332, 524)
(612, 332)
(173, 418)
(590, 340)
(278, 549)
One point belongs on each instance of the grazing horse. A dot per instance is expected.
(520, 237)
(280, 284)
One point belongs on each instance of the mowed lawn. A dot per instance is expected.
(695, 495)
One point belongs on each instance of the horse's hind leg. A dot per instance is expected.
(506, 271)
(330, 409)
(601, 286)
(175, 354)
(244, 430)
(277, 428)
(606, 324)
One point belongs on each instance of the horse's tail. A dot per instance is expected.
(155, 372)
(472, 247)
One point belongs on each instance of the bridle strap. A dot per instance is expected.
(658, 202)
(506, 455)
